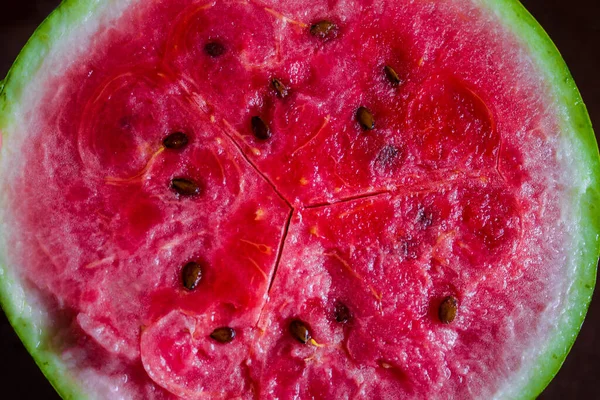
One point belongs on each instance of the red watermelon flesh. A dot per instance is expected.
(358, 235)
(389, 260)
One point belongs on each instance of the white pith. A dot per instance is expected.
(73, 43)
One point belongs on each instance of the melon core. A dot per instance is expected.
(275, 199)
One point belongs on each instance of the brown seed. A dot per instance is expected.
(260, 129)
(214, 49)
(342, 313)
(299, 331)
(185, 187)
(391, 75)
(448, 309)
(279, 87)
(365, 118)
(223, 335)
(191, 275)
(176, 140)
(324, 30)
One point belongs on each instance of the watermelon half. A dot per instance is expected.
(287, 199)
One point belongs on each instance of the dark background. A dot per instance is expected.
(575, 28)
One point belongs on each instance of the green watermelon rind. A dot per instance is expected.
(576, 128)
(64, 19)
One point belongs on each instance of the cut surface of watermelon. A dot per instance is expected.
(275, 199)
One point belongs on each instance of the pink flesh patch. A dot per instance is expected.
(436, 201)
(389, 259)
(179, 355)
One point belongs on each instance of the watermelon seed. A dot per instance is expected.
(185, 187)
(299, 331)
(214, 49)
(260, 129)
(342, 313)
(223, 335)
(448, 309)
(279, 87)
(324, 30)
(191, 274)
(176, 140)
(391, 75)
(365, 118)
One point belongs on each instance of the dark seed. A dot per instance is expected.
(299, 331)
(223, 335)
(260, 129)
(214, 49)
(365, 118)
(279, 87)
(448, 309)
(342, 313)
(176, 140)
(391, 74)
(191, 275)
(324, 30)
(185, 187)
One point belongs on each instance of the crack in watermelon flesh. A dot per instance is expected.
(456, 192)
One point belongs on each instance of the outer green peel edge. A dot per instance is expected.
(73, 13)
(587, 200)
(51, 365)
(67, 16)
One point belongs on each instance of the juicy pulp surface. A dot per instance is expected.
(455, 192)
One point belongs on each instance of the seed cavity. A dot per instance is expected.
(365, 118)
(392, 75)
(175, 141)
(324, 30)
(279, 87)
(387, 156)
(191, 275)
(223, 335)
(214, 49)
(300, 331)
(425, 218)
(342, 313)
(448, 309)
(260, 129)
(185, 187)
(125, 122)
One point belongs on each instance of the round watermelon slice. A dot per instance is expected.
(275, 199)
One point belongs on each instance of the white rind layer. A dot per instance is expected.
(67, 34)
(577, 153)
